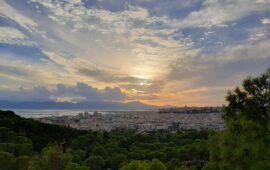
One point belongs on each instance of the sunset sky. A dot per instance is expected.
(160, 52)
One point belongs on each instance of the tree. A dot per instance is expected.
(7, 161)
(78, 156)
(245, 144)
(22, 162)
(35, 163)
(156, 165)
(53, 158)
(74, 166)
(211, 166)
(83, 142)
(95, 162)
(99, 151)
(250, 102)
(135, 165)
(116, 160)
(14, 143)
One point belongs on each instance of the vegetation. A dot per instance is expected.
(39, 133)
(26, 144)
(245, 144)
(23, 146)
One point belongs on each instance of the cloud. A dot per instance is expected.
(145, 87)
(258, 34)
(207, 77)
(80, 67)
(226, 68)
(219, 13)
(254, 50)
(78, 93)
(17, 74)
(13, 71)
(265, 21)
(85, 92)
(21, 94)
(138, 88)
(7, 11)
(28, 75)
(162, 51)
(114, 94)
(131, 32)
(10, 35)
(105, 76)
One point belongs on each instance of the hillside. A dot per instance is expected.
(27, 144)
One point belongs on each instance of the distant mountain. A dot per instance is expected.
(98, 105)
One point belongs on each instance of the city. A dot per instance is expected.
(144, 121)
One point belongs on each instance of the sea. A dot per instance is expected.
(36, 113)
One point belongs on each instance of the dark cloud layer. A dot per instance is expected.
(105, 76)
(81, 92)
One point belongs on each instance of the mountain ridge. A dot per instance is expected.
(81, 105)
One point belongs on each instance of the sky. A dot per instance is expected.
(158, 52)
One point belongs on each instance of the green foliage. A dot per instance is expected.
(144, 165)
(14, 143)
(35, 163)
(184, 168)
(211, 166)
(74, 166)
(7, 161)
(53, 158)
(83, 142)
(156, 165)
(115, 161)
(22, 162)
(97, 150)
(17, 149)
(251, 101)
(95, 162)
(135, 165)
(39, 133)
(244, 145)
(78, 155)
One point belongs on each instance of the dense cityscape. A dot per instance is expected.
(169, 119)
